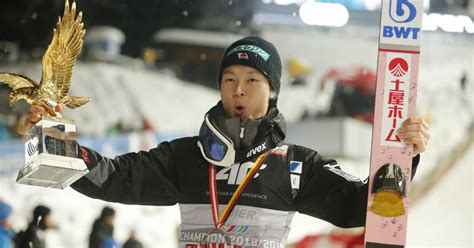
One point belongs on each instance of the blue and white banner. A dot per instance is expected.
(402, 25)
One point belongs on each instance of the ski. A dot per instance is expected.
(390, 162)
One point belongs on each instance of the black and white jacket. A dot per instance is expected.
(291, 179)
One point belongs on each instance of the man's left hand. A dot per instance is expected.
(415, 131)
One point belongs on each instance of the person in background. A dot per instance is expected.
(6, 234)
(4, 133)
(463, 81)
(103, 229)
(34, 235)
(132, 241)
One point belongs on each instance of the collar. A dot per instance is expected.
(253, 137)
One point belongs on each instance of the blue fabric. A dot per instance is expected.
(110, 242)
(6, 237)
(5, 211)
(4, 133)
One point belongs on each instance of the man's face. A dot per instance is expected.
(110, 220)
(245, 92)
(48, 221)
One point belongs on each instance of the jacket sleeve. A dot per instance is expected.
(147, 178)
(328, 193)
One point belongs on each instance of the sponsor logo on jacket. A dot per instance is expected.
(257, 150)
(236, 174)
(296, 169)
(243, 213)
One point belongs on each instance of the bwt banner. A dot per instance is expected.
(12, 153)
(402, 26)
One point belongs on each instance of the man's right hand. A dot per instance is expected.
(34, 115)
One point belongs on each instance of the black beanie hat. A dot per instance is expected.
(255, 52)
(41, 211)
(106, 212)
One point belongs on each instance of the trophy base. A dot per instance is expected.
(52, 171)
(51, 155)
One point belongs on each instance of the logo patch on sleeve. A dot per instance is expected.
(85, 155)
(296, 167)
(342, 173)
(295, 181)
(280, 150)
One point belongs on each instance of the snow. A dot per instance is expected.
(127, 94)
(74, 214)
(445, 217)
(135, 92)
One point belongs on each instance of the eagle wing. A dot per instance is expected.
(15, 81)
(59, 59)
(73, 102)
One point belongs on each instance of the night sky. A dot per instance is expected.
(30, 22)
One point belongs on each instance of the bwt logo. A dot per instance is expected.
(401, 11)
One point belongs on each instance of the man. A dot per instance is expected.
(34, 235)
(132, 241)
(262, 180)
(6, 234)
(103, 230)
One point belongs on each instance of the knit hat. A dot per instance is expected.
(255, 52)
(5, 210)
(41, 211)
(39, 215)
(106, 212)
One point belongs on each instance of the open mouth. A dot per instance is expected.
(239, 111)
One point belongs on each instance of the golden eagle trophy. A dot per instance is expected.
(51, 150)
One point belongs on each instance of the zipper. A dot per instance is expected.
(242, 128)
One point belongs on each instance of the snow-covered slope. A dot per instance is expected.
(126, 94)
(444, 218)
